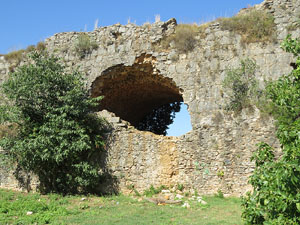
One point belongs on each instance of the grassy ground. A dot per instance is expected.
(55, 209)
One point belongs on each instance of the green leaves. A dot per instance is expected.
(59, 138)
(276, 194)
(242, 85)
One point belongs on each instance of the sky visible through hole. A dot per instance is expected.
(182, 122)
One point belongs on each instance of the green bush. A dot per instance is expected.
(84, 45)
(253, 26)
(59, 138)
(275, 198)
(242, 86)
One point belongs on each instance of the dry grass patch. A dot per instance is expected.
(253, 26)
(8, 130)
(183, 40)
(84, 45)
(15, 57)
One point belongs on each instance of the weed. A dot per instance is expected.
(15, 56)
(183, 40)
(197, 165)
(219, 194)
(30, 48)
(131, 187)
(253, 26)
(40, 46)
(242, 86)
(196, 193)
(180, 187)
(137, 193)
(220, 173)
(84, 45)
(153, 191)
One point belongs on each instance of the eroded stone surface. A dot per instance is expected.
(130, 66)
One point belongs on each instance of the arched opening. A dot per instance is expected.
(139, 95)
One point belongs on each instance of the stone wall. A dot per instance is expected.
(130, 65)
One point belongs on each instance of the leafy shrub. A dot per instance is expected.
(183, 39)
(275, 198)
(58, 138)
(242, 85)
(253, 26)
(84, 45)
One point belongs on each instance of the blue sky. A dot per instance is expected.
(26, 22)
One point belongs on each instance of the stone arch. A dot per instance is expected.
(132, 92)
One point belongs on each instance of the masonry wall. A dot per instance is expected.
(215, 155)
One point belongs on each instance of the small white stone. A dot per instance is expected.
(202, 202)
(29, 213)
(179, 196)
(186, 205)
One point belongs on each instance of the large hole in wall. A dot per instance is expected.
(139, 95)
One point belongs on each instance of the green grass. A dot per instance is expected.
(55, 209)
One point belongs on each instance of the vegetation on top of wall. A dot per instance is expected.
(183, 39)
(15, 57)
(275, 198)
(253, 26)
(84, 45)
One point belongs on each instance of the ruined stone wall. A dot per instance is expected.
(215, 155)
